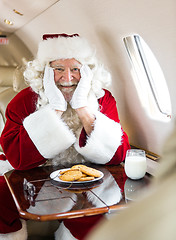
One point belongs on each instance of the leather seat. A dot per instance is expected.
(11, 82)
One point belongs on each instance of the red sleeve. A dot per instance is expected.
(108, 107)
(17, 146)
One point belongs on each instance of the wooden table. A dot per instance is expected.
(53, 200)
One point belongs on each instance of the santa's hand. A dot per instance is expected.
(79, 98)
(54, 95)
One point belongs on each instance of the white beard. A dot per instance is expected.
(70, 117)
(70, 155)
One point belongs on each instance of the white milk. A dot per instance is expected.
(135, 166)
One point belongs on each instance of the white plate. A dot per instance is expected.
(55, 176)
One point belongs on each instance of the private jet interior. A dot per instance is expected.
(135, 40)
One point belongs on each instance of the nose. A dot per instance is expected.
(67, 75)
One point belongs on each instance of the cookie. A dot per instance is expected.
(64, 171)
(78, 166)
(88, 178)
(84, 175)
(87, 170)
(70, 176)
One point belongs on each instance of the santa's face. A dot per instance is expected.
(66, 75)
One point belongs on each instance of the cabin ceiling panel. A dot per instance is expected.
(28, 9)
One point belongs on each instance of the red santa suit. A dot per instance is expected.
(31, 137)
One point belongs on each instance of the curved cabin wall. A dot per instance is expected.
(12, 60)
(105, 23)
(14, 53)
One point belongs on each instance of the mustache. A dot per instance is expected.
(69, 84)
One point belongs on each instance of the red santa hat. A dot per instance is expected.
(63, 46)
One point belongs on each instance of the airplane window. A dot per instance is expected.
(148, 78)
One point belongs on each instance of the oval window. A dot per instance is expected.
(148, 78)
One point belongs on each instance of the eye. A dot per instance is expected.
(58, 69)
(75, 69)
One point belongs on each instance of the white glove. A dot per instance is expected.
(79, 98)
(54, 95)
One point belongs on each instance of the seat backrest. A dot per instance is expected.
(1, 127)
(11, 82)
(11, 76)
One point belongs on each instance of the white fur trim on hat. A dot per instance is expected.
(66, 47)
(48, 132)
(103, 141)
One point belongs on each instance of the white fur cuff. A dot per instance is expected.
(19, 235)
(48, 132)
(103, 141)
(63, 233)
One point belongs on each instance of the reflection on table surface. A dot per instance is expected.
(54, 200)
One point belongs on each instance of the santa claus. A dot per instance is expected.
(65, 116)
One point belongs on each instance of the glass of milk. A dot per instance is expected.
(135, 163)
